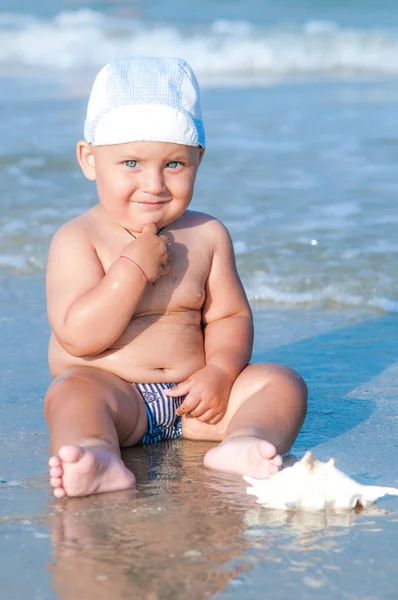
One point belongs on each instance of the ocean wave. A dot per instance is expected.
(334, 295)
(30, 258)
(219, 51)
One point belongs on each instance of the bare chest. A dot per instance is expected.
(183, 288)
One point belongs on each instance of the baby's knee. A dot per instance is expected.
(73, 384)
(283, 373)
(284, 380)
(285, 376)
(264, 372)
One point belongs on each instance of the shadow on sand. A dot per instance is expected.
(334, 364)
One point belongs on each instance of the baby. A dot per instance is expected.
(151, 328)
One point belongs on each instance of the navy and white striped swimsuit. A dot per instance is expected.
(163, 422)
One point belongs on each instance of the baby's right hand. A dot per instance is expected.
(150, 252)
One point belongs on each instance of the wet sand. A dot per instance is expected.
(188, 532)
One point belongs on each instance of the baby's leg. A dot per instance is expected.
(266, 410)
(90, 414)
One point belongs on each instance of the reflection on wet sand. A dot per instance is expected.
(173, 538)
(299, 531)
(186, 533)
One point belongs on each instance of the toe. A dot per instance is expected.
(56, 482)
(266, 450)
(273, 469)
(55, 471)
(54, 461)
(71, 454)
(59, 492)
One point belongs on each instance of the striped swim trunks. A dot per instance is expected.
(163, 422)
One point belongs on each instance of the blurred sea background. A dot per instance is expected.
(299, 102)
(300, 106)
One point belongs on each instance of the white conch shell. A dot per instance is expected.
(314, 485)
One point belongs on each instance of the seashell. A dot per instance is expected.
(311, 484)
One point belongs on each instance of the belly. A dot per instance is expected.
(153, 349)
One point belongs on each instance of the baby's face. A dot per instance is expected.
(145, 182)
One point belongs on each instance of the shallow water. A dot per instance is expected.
(188, 532)
(310, 203)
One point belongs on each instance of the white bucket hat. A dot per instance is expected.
(144, 98)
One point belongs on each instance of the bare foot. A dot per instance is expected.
(244, 455)
(81, 471)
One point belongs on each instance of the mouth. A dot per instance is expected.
(152, 204)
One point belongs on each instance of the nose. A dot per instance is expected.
(152, 182)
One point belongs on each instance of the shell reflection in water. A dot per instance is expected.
(311, 484)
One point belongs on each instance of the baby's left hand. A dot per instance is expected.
(207, 394)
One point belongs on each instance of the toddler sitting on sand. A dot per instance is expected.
(151, 329)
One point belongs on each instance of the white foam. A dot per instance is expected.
(12, 261)
(283, 292)
(239, 51)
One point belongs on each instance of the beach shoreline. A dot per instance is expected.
(222, 543)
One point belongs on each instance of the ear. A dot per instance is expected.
(85, 156)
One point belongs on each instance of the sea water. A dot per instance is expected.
(300, 107)
(299, 104)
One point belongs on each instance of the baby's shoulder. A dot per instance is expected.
(203, 224)
(75, 231)
(210, 232)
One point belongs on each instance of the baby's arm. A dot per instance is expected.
(228, 334)
(89, 310)
(226, 314)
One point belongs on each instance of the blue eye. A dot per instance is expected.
(131, 163)
(173, 164)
